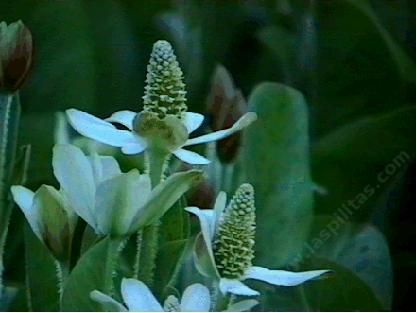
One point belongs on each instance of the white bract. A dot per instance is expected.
(110, 201)
(206, 264)
(137, 297)
(132, 143)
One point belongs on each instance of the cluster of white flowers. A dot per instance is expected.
(118, 204)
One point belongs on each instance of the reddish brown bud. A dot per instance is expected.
(16, 52)
(226, 105)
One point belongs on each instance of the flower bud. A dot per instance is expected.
(234, 239)
(50, 217)
(16, 52)
(226, 105)
(165, 89)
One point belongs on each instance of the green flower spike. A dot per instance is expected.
(164, 126)
(165, 90)
(224, 250)
(234, 241)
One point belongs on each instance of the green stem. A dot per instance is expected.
(157, 164)
(115, 247)
(9, 125)
(219, 301)
(62, 273)
(148, 253)
(147, 249)
(139, 238)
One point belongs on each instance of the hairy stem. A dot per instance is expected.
(147, 248)
(9, 124)
(136, 266)
(62, 272)
(219, 302)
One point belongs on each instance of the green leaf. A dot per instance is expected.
(165, 194)
(350, 161)
(167, 263)
(41, 279)
(173, 238)
(403, 62)
(360, 248)
(343, 291)
(93, 271)
(283, 188)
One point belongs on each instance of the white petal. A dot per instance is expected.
(236, 287)
(135, 148)
(243, 122)
(104, 167)
(74, 173)
(118, 201)
(109, 167)
(123, 117)
(219, 207)
(190, 157)
(281, 278)
(97, 129)
(206, 218)
(196, 298)
(192, 121)
(138, 297)
(109, 303)
(24, 199)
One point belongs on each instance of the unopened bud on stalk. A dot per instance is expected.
(234, 240)
(16, 52)
(49, 216)
(226, 105)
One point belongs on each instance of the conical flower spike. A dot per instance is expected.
(233, 244)
(164, 90)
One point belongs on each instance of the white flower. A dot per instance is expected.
(110, 201)
(137, 297)
(132, 143)
(206, 263)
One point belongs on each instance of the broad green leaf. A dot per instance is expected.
(360, 248)
(358, 162)
(167, 263)
(173, 238)
(41, 280)
(404, 63)
(277, 165)
(93, 271)
(343, 291)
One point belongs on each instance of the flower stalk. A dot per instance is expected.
(164, 100)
